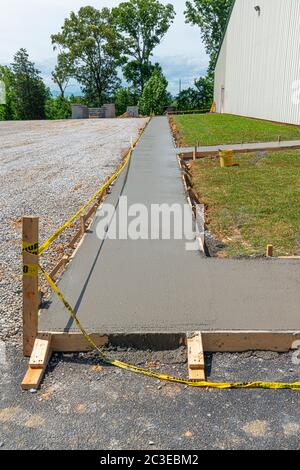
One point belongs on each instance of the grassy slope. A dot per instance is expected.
(253, 204)
(214, 129)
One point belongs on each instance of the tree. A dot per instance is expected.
(123, 98)
(144, 23)
(58, 108)
(29, 89)
(188, 99)
(91, 43)
(200, 97)
(155, 96)
(211, 16)
(62, 73)
(8, 107)
(205, 88)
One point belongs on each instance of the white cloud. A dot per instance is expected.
(30, 24)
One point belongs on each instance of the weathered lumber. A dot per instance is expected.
(196, 362)
(31, 296)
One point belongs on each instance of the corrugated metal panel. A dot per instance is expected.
(260, 61)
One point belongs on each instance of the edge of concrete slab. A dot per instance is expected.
(213, 341)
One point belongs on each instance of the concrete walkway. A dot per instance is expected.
(158, 286)
(251, 147)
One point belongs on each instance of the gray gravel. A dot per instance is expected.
(49, 169)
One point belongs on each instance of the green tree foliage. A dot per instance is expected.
(29, 89)
(211, 16)
(123, 98)
(155, 97)
(8, 110)
(91, 43)
(58, 108)
(144, 23)
(200, 97)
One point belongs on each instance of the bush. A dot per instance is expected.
(58, 108)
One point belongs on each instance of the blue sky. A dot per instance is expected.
(30, 23)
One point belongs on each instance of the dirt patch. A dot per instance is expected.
(175, 133)
(256, 428)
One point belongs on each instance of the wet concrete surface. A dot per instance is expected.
(155, 286)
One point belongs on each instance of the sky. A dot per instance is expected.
(30, 23)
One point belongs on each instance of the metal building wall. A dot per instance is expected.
(259, 62)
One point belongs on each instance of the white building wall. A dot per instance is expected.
(259, 62)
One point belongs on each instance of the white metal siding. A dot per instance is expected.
(260, 61)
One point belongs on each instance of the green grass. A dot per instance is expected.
(254, 203)
(215, 129)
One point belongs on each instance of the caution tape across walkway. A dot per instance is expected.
(156, 375)
(32, 249)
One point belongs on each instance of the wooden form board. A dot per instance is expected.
(214, 153)
(213, 341)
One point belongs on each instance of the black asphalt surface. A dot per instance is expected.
(84, 406)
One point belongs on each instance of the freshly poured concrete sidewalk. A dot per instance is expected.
(251, 147)
(157, 286)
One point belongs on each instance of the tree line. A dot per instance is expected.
(95, 47)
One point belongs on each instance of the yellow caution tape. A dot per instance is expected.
(164, 377)
(53, 237)
(29, 248)
(30, 270)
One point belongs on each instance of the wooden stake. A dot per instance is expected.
(82, 224)
(31, 297)
(269, 252)
(195, 153)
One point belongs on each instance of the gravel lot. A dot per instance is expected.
(49, 169)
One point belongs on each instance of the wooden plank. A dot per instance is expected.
(241, 341)
(213, 341)
(31, 297)
(196, 365)
(188, 179)
(40, 353)
(195, 196)
(74, 342)
(82, 221)
(61, 264)
(74, 239)
(92, 211)
(34, 377)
